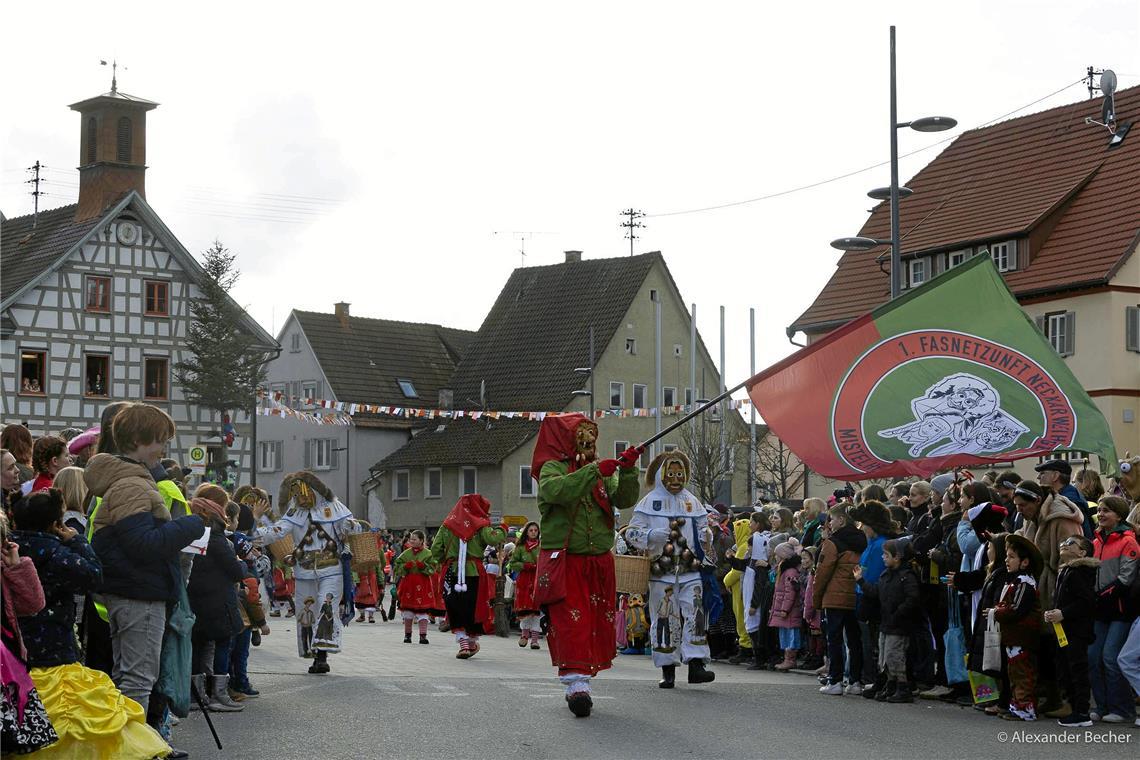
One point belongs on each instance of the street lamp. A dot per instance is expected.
(894, 192)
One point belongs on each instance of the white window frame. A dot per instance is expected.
(1058, 328)
(621, 395)
(400, 381)
(668, 396)
(669, 447)
(916, 270)
(963, 255)
(631, 346)
(322, 446)
(689, 398)
(272, 448)
(397, 477)
(528, 488)
(1132, 328)
(1004, 255)
(644, 396)
(619, 447)
(474, 479)
(427, 483)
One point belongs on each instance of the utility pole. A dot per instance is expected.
(631, 224)
(36, 192)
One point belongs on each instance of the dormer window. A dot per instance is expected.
(1004, 255)
(917, 272)
(407, 388)
(958, 258)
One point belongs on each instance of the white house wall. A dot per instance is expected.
(52, 317)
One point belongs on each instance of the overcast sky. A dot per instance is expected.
(371, 155)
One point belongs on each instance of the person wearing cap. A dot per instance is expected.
(83, 446)
(1056, 475)
(1004, 487)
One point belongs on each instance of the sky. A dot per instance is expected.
(391, 155)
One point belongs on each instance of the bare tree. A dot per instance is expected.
(710, 463)
(779, 472)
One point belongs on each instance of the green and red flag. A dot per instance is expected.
(951, 374)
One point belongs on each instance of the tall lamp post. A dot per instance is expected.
(588, 371)
(894, 192)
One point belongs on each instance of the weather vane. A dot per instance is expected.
(114, 74)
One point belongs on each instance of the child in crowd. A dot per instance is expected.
(813, 618)
(787, 605)
(900, 614)
(26, 727)
(987, 585)
(414, 569)
(93, 717)
(1018, 612)
(1075, 600)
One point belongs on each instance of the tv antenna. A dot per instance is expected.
(1107, 88)
(522, 236)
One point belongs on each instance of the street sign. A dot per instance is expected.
(515, 520)
(198, 459)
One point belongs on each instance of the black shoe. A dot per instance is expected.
(698, 673)
(407, 638)
(255, 638)
(742, 655)
(315, 667)
(178, 754)
(423, 639)
(580, 704)
(874, 690)
(902, 695)
(886, 692)
(668, 677)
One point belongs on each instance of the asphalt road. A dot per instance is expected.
(388, 699)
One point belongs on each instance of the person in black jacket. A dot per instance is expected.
(213, 599)
(900, 614)
(1075, 600)
(988, 582)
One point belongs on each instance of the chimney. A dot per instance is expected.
(573, 257)
(341, 311)
(112, 150)
(446, 398)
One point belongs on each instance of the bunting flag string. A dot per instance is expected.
(343, 411)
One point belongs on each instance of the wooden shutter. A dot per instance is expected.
(1132, 328)
(1070, 346)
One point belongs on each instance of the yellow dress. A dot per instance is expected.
(93, 718)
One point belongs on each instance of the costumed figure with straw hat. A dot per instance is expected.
(671, 525)
(575, 582)
(319, 525)
(468, 590)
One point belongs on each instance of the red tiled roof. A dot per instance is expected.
(1003, 181)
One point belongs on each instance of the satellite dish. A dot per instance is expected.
(1108, 82)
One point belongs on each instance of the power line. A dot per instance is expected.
(631, 225)
(822, 182)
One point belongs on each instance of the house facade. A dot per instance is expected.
(1056, 203)
(340, 358)
(532, 354)
(95, 296)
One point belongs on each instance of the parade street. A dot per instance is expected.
(389, 699)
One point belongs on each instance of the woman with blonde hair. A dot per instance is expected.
(812, 511)
(70, 483)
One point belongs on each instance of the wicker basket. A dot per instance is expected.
(282, 547)
(365, 550)
(632, 573)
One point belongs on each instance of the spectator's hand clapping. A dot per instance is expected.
(11, 555)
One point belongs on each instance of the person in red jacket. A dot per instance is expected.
(1115, 546)
(49, 456)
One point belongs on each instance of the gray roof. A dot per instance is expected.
(26, 251)
(538, 332)
(363, 358)
(462, 442)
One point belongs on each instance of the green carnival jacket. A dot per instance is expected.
(561, 491)
(445, 546)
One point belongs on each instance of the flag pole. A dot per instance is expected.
(696, 412)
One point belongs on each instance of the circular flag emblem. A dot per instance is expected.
(937, 393)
